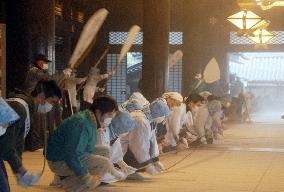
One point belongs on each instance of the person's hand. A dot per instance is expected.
(28, 179)
(151, 169)
(125, 168)
(67, 72)
(159, 166)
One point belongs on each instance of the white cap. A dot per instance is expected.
(173, 95)
(140, 98)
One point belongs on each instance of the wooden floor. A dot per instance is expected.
(250, 158)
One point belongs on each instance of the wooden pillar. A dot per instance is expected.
(156, 25)
(206, 35)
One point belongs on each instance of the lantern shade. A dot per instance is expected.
(245, 20)
(265, 5)
(261, 36)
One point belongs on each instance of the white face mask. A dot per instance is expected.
(160, 119)
(45, 108)
(45, 66)
(107, 122)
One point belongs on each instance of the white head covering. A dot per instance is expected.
(139, 97)
(205, 94)
(173, 95)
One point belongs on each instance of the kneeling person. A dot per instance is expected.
(71, 151)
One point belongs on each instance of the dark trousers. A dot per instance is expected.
(4, 183)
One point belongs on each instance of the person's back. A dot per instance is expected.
(62, 138)
(139, 137)
(15, 132)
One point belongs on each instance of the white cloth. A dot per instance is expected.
(173, 125)
(91, 84)
(183, 114)
(70, 85)
(174, 95)
(116, 152)
(188, 121)
(139, 138)
(124, 141)
(154, 148)
(103, 138)
(27, 120)
(139, 97)
(203, 121)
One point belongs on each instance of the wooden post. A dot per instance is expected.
(155, 47)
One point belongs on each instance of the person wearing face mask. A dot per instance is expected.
(110, 134)
(72, 154)
(193, 102)
(45, 94)
(205, 116)
(142, 149)
(37, 72)
(173, 122)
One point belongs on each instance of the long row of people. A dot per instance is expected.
(107, 142)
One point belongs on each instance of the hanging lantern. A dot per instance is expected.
(261, 36)
(247, 21)
(265, 4)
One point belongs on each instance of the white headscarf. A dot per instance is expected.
(173, 95)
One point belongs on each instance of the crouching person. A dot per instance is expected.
(71, 152)
(44, 96)
(142, 148)
(109, 135)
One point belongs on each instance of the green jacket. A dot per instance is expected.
(197, 87)
(75, 137)
(12, 142)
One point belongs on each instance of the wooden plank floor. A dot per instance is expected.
(249, 158)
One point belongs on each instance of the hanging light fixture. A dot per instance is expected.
(268, 4)
(247, 22)
(261, 36)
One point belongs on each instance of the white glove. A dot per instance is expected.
(151, 169)
(159, 166)
(118, 174)
(203, 140)
(125, 168)
(67, 72)
(28, 179)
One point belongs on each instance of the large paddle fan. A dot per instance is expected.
(87, 38)
(212, 71)
(134, 30)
